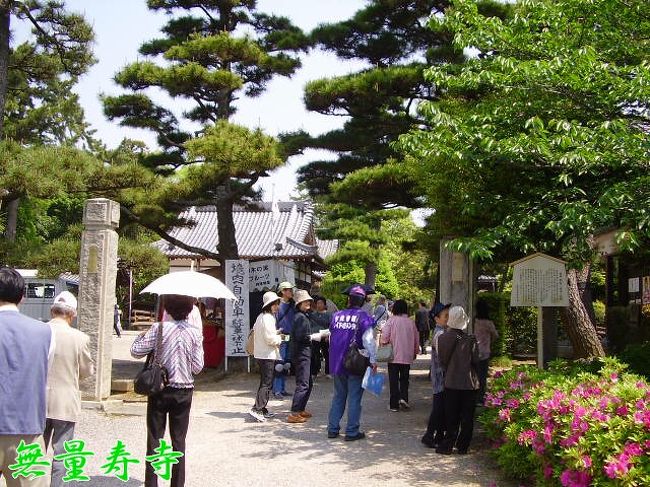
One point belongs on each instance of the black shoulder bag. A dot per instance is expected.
(153, 377)
(355, 363)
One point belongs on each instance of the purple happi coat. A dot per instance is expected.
(346, 325)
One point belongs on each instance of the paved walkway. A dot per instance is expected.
(225, 448)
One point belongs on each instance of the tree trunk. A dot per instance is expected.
(5, 17)
(578, 324)
(12, 220)
(584, 286)
(227, 247)
(371, 274)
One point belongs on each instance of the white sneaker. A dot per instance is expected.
(258, 415)
(404, 404)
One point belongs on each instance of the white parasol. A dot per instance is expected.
(190, 283)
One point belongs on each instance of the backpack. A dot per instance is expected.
(250, 343)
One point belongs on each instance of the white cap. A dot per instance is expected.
(66, 298)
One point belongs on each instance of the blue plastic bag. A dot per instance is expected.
(373, 382)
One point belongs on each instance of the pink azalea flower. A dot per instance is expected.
(504, 415)
(538, 446)
(573, 478)
(622, 410)
(548, 471)
(614, 377)
(548, 433)
(633, 449)
(526, 437)
(512, 403)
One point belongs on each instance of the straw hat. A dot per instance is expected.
(301, 296)
(269, 298)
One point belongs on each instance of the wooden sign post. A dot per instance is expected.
(540, 280)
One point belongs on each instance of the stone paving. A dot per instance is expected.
(226, 448)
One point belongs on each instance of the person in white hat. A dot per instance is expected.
(284, 323)
(71, 363)
(459, 356)
(266, 351)
(301, 339)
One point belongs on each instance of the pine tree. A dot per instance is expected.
(211, 53)
(379, 102)
(36, 77)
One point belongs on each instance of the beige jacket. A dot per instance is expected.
(267, 339)
(71, 363)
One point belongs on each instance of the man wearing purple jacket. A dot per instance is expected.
(348, 325)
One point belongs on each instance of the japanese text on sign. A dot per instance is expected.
(237, 312)
(262, 275)
(539, 281)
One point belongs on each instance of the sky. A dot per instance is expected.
(121, 26)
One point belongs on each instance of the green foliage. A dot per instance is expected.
(411, 264)
(208, 56)
(517, 326)
(636, 357)
(338, 277)
(539, 141)
(233, 150)
(146, 263)
(574, 424)
(40, 106)
(341, 275)
(394, 42)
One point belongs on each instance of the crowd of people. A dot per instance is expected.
(294, 331)
(292, 336)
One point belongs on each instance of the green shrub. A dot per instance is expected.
(637, 357)
(517, 327)
(576, 424)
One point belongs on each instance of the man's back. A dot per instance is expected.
(346, 326)
(71, 362)
(24, 348)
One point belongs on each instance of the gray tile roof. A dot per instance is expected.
(261, 233)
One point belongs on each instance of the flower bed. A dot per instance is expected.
(573, 425)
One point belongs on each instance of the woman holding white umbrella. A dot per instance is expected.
(180, 352)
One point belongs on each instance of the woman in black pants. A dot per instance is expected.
(301, 346)
(181, 354)
(458, 354)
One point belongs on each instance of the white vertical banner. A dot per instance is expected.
(237, 312)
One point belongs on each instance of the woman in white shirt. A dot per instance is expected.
(265, 349)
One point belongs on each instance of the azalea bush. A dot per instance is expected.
(573, 425)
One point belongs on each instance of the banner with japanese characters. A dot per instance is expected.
(237, 322)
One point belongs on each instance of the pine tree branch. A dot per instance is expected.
(59, 48)
(241, 190)
(166, 236)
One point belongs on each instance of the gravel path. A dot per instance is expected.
(225, 448)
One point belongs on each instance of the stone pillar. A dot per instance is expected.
(97, 275)
(457, 275)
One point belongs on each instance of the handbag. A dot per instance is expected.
(385, 353)
(355, 363)
(153, 377)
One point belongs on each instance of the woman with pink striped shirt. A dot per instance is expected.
(400, 331)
